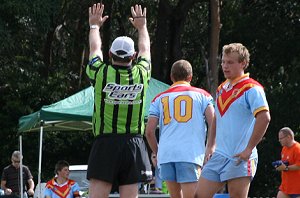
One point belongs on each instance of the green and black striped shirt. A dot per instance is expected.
(120, 95)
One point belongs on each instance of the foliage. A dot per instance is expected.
(44, 47)
(269, 30)
(73, 147)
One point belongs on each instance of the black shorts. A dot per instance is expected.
(119, 159)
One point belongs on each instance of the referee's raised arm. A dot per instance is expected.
(139, 21)
(96, 20)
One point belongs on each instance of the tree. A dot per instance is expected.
(44, 49)
(269, 30)
(175, 27)
(215, 27)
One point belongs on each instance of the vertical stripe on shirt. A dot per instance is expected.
(130, 106)
(102, 100)
(116, 107)
(142, 104)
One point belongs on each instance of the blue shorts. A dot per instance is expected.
(220, 168)
(180, 172)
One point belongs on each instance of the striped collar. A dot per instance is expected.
(180, 83)
(229, 84)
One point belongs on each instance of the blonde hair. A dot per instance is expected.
(240, 49)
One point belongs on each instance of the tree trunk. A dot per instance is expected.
(214, 45)
(160, 41)
(170, 25)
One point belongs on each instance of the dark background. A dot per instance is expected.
(44, 48)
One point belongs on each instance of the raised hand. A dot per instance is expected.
(95, 15)
(138, 19)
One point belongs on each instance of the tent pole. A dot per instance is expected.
(40, 158)
(21, 167)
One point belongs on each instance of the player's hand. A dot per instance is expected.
(30, 192)
(243, 156)
(8, 191)
(206, 158)
(282, 167)
(138, 19)
(95, 15)
(208, 153)
(154, 159)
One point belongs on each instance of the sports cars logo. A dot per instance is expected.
(123, 92)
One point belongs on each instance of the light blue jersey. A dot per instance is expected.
(69, 189)
(237, 104)
(181, 114)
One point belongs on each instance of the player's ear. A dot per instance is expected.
(189, 78)
(172, 79)
(133, 56)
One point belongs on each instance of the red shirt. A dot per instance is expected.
(290, 180)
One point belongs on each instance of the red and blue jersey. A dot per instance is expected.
(181, 114)
(69, 189)
(237, 103)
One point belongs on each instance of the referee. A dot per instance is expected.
(119, 154)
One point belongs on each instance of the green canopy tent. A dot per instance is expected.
(75, 112)
(72, 113)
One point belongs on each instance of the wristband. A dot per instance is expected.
(136, 17)
(94, 26)
(286, 168)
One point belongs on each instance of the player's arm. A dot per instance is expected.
(96, 21)
(3, 184)
(75, 190)
(211, 136)
(31, 186)
(263, 119)
(150, 133)
(76, 194)
(139, 21)
(7, 191)
(292, 167)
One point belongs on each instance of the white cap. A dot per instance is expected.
(122, 47)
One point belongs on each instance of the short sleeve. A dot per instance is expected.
(154, 109)
(75, 188)
(93, 67)
(207, 100)
(27, 173)
(144, 64)
(47, 192)
(256, 99)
